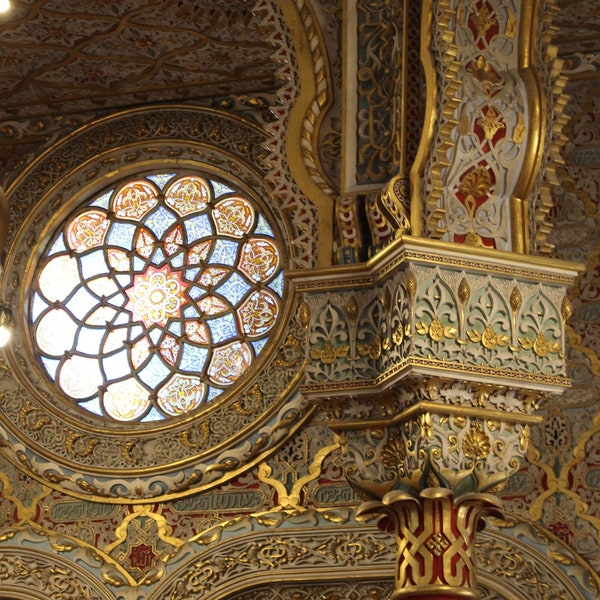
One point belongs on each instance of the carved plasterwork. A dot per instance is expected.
(436, 313)
(574, 33)
(551, 173)
(515, 562)
(378, 89)
(346, 590)
(294, 170)
(481, 108)
(463, 454)
(39, 575)
(485, 135)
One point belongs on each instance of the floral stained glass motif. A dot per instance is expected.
(156, 297)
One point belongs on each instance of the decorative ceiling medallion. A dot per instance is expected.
(147, 361)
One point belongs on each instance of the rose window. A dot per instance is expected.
(155, 297)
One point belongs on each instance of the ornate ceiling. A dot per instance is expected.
(58, 58)
(578, 24)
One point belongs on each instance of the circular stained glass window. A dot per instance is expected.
(156, 296)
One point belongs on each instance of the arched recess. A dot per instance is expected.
(33, 573)
(515, 562)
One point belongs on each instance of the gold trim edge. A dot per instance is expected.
(499, 262)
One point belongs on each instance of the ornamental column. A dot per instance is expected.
(429, 362)
(430, 359)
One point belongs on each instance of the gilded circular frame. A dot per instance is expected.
(114, 462)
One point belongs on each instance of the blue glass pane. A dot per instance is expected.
(224, 253)
(175, 328)
(124, 280)
(221, 189)
(213, 393)
(123, 318)
(155, 334)
(153, 415)
(258, 345)
(118, 300)
(117, 365)
(37, 306)
(135, 332)
(277, 284)
(234, 288)
(139, 264)
(197, 228)
(158, 258)
(51, 366)
(262, 227)
(103, 201)
(58, 246)
(121, 235)
(191, 274)
(177, 261)
(93, 264)
(154, 373)
(92, 405)
(160, 220)
(82, 303)
(191, 312)
(161, 180)
(192, 358)
(222, 328)
(195, 292)
(89, 340)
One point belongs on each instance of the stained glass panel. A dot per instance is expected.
(155, 294)
(229, 363)
(189, 195)
(181, 394)
(87, 230)
(59, 278)
(126, 400)
(134, 200)
(80, 376)
(55, 332)
(234, 217)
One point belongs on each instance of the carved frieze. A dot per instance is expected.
(423, 309)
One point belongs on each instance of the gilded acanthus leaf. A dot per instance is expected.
(489, 339)
(303, 314)
(491, 123)
(519, 130)
(450, 332)
(436, 330)
(476, 183)
(515, 300)
(464, 291)
(421, 328)
(474, 335)
(352, 309)
(326, 354)
(541, 346)
(566, 310)
(476, 443)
